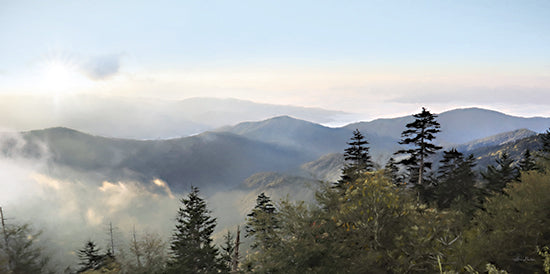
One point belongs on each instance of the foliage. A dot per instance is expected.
(456, 179)
(356, 157)
(148, 255)
(527, 162)
(391, 170)
(420, 135)
(262, 223)
(22, 254)
(228, 249)
(498, 177)
(191, 248)
(512, 225)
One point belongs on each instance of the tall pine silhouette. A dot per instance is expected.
(418, 137)
(191, 248)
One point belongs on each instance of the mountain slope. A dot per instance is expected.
(495, 140)
(458, 126)
(306, 136)
(141, 118)
(210, 160)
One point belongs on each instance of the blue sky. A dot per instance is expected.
(382, 58)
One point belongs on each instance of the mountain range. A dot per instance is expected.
(224, 158)
(142, 118)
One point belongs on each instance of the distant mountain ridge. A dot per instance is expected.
(143, 118)
(224, 158)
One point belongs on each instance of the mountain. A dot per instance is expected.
(212, 160)
(312, 138)
(458, 126)
(495, 140)
(515, 149)
(141, 118)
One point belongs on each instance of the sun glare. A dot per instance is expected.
(58, 76)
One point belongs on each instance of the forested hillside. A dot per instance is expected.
(273, 204)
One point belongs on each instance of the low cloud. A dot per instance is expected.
(102, 67)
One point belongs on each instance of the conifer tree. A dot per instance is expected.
(228, 249)
(527, 162)
(546, 142)
(89, 256)
(498, 177)
(419, 134)
(392, 171)
(456, 178)
(356, 157)
(191, 248)
(262, 223)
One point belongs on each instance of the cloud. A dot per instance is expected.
(479, 95)
(102, 67)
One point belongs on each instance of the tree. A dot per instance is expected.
(149, 254)
(419, 134)
(391, 170)
(89, 256)
(262, 223)
(357, 159)
(527, 162)
(191, 248)
(512, 225)
(498, 177)
(19, 252)
(228, 249)
(456, 178)
(545, 137)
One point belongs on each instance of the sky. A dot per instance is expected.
(379, 58)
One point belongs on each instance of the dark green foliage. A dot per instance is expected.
(456, 179)
(505, 172)
(357, 159)
(89, 256)
(262, 223)
(527, 162)
(418, 137)
(512, 225)
(22, 255)
(391, 170)
(228, 249)
(191, 248)
(545, 137)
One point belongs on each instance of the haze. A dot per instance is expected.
(377, 58)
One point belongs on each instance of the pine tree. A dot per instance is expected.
(262, 223)
(419, 134)
(498, 177)
(545, 137)
(228, 249)
(456, 178)
(392, 171)
(89, 256)
(527, 162)
(191, 248)
(357, 159)
(19, 252)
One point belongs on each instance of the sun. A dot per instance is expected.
(58, 75)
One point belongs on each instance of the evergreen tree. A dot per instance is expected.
(19, 252)
(228, 249)
(89, 256)
(456, 178)
(527, 162)
(498, 177)
(262, 223)
(191, 248)
(545, 137)
(391, 170)
(357, 159)
(419, 134)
